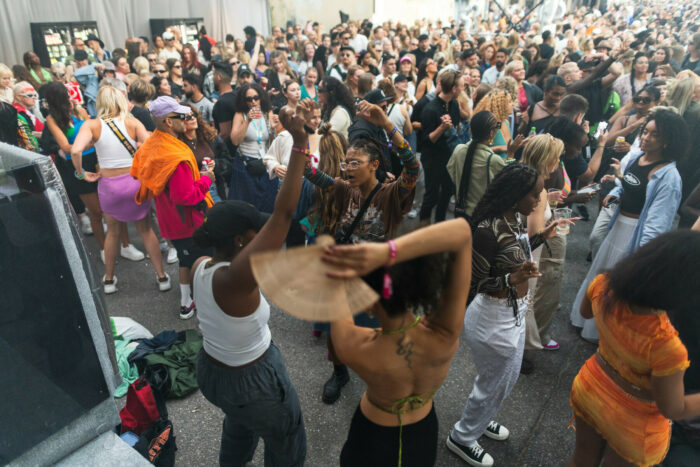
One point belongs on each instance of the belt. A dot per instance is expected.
(223, 365)
(634, 391)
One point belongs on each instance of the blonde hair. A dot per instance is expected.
(243, 56)
(332, 148)
(542, 152)
(496, 102)
(679, 93)
(141, 66)
(111, 103)
(5, 70)
(509, 85)
(56, 67)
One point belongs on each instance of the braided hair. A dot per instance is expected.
(505, 190)
(481, 125)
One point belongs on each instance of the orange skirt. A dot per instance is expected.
(635, 429)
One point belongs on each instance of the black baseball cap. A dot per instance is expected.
(386, 57)
(400, 77)
(227, 219)
(243, 69)
(423, 37)
(376, 96)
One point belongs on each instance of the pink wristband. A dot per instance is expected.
(387, 285)
(392, 253)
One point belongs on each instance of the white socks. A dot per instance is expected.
(185, 298)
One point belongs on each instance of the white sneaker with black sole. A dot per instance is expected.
(164, 283)
(474, 455)
(172, 256)
(496, 431)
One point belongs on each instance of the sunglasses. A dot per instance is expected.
(346, 55)
(59, 75)
(177, 66)
(152, 60)
(252, 98)
(31, 95)
(181, 116)
(641, 100)
(159, 71)
(235, 63)
(189, 117)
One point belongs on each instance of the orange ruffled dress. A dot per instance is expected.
(638, 347)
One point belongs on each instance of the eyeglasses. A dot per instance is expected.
(641, 100)
(252, 98)
(352, 165)
(30, 95)
(159, 71)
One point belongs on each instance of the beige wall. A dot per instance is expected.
(407, 11)
(323, 11)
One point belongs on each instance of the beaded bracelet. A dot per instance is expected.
(79, 177)
(391, 135)
(301, 150)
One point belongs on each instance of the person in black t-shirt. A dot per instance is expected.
(424, 50)
(546, 50)
(437, 125)
(140, 92)
(224, 109)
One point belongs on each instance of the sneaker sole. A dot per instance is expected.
(490, 435)
(187, 316)
(551, 349)
(134, 259)
(462, 455)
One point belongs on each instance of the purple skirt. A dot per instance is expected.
(117, 196)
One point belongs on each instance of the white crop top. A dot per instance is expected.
(111, 153)
(231, 340)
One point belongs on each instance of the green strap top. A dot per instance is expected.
(406, 404)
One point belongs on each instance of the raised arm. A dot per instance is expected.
(273, 234)
(452, 236)
(597, 72)
(239, 128)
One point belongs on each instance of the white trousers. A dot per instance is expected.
(497, 344)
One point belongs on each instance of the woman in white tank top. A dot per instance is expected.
(115, 137)
(542, 153)
(239, 369)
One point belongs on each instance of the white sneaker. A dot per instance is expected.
(85, 225)
(412, 214)
(111, 287)
(132, 253)
(102, 256)
(496, 431)
(163, 245)
(172, 256)
(474, 455)
(164, 284)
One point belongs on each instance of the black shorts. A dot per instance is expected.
(188, 251)
(74, 186)
(369, 444)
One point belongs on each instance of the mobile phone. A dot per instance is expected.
(590, 189)
(602, 126)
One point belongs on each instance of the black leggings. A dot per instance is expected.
(369, 444)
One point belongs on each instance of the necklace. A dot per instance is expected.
(517, 225)
(193, 143)
(401, 329)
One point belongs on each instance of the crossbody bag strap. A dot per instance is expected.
(120, 136)
(361, 213)
(488, 169)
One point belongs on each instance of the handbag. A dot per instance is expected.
(120, 136)
(343, 238)
(253, 165)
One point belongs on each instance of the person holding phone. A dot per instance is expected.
(250, 132)
(495, 320)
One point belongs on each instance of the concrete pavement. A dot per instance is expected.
(537, 413)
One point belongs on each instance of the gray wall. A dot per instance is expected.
(119, 19)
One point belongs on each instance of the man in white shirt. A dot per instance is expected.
(169, 51)
(388, 68)
(357, 41)
(495, 71)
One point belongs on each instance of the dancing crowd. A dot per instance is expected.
(516, 129)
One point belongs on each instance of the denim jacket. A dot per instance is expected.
(87, 77)
(662, 200)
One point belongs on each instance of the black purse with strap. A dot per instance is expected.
(120, 136)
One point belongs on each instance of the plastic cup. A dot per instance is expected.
(563, 213)
(552, 204)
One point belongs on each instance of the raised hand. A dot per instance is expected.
(356, 260)
(372, 113)
(294, 124)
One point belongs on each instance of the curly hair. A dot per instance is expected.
(496, 102)
(430, 271)
(240, 103)
(505, 190)
(509, 85)
(332, 148)
(673, 131)
(205, 132)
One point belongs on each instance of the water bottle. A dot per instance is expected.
(533, 131)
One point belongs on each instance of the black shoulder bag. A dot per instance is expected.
(343, 238)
